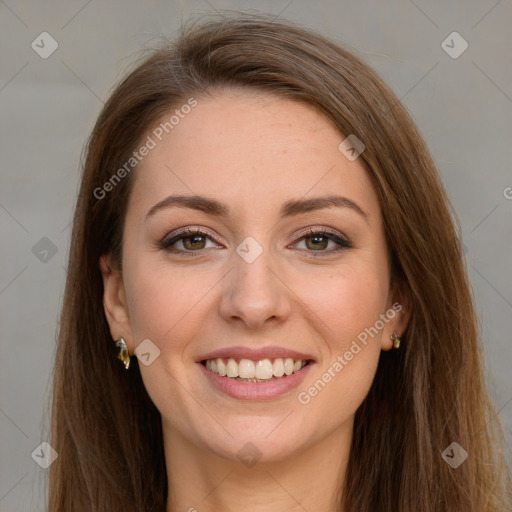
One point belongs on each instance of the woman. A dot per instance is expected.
(266, 304)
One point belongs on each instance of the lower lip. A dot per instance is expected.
(256, 390)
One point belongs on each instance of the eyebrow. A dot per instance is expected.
(288, 209)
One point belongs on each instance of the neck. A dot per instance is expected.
(311, 479)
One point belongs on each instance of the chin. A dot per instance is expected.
(260, 441)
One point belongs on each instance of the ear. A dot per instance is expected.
(398, 312)
(114, 303)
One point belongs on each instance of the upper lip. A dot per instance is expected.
(254, 354)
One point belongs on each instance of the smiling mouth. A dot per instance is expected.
(263, 370)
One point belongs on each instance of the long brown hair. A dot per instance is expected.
(425, 396)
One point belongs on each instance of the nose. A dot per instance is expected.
(255, 293)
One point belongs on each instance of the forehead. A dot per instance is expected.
(252, 151)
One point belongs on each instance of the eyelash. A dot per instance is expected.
(166, 243)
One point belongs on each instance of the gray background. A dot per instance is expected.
(463, 107)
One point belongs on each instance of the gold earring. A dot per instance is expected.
(396, 339)
(123, 353)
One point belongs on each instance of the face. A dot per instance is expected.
(270, 275)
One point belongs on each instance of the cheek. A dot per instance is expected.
(164, 301)
(345, 301)
(347, 305)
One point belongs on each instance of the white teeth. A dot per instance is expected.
(232, 368)
(246, 369)
(288, 366)
(278, 367)
(263, 369)
(221, 367)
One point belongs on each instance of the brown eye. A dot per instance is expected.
(193, 243)
(191, 240)
(318, 242)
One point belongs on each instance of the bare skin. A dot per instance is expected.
(253, 152)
